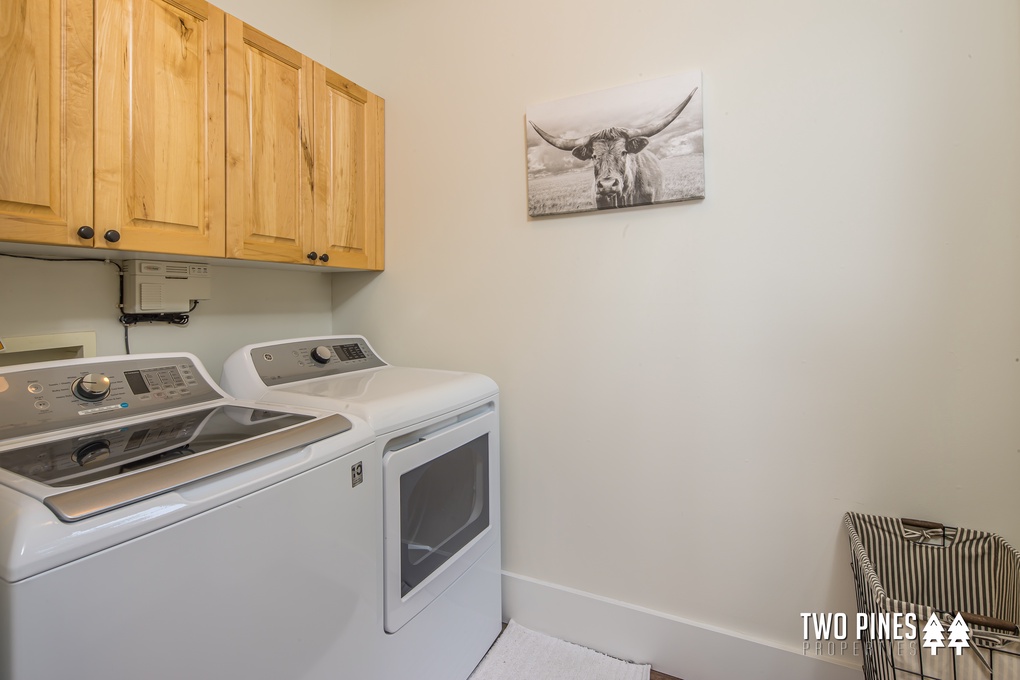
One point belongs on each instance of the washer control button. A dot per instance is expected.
(321, 354)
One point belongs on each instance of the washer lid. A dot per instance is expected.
(122, 464)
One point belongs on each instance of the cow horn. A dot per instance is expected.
(560, 142)
(659, 125)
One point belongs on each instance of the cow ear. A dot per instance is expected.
(636, 144)
(582, 152)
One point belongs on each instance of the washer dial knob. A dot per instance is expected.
(321, 354)
(91, 452)
(91, 387)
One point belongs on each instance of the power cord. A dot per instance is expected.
(65, 259)
(171, 318)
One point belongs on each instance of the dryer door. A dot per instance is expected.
(441, 498)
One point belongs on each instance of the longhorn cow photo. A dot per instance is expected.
(629, 146)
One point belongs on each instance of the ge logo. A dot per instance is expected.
(356, 475)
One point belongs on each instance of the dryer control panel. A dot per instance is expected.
(44, 397)
(287, 362)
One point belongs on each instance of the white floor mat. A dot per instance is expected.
(522, 654)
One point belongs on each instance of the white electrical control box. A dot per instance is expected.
(154, 287)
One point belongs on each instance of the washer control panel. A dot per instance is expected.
(289, 362)
(69, 394)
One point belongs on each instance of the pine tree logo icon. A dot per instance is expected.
(959, 634)
(935, 634)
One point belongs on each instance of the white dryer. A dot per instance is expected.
(437, 440)
(153, 527)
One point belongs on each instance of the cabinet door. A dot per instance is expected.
(160, 126)
(349, 172)
(270, 165)
(45, 120)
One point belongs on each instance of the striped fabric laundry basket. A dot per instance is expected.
(916, 568)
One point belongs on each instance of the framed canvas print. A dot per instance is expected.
(633, 145)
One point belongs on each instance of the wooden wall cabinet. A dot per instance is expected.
(45, 120)
(126, 151)
(304, 158)
(349, 172)
(166, 126)
(270, 159)
(159, 147)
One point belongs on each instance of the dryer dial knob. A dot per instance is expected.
(91, 387)
(321, 354)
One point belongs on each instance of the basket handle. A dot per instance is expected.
(990, 622)
(922, 523)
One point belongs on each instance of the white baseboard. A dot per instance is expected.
(680, 648)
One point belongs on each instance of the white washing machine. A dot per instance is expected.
(153, 527)
(437, 440)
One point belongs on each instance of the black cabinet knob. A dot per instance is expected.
(112, 236)
(324, 257)
(86, 232)
(312, 255)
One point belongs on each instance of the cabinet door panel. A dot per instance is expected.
(160, 145)
(270, 161)
(45, 120)
(349, 172)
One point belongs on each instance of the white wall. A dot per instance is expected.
(305, 25)
(694, 394)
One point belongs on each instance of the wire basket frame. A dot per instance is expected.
(921, 568)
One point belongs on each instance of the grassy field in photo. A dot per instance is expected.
(683, 178)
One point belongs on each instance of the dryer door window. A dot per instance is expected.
(441, 505)
(444, 504)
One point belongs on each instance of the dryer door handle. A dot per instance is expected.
(438, 429)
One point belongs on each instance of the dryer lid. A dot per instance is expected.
(391, 397)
